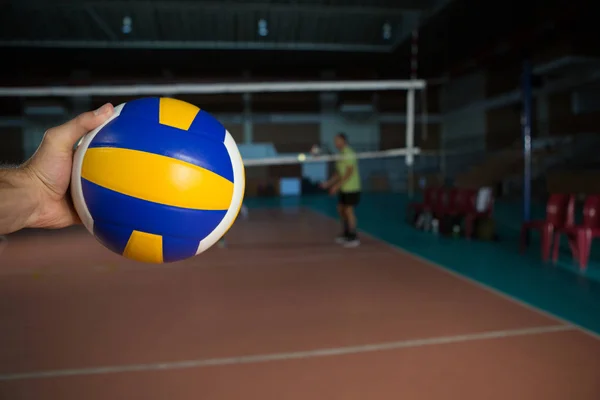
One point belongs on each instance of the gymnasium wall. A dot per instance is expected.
(11, 149)
(463, 126)
(463, 121)
(428, 127)
(565, 121)
(503, 127)
(11, 132)
(574, 112)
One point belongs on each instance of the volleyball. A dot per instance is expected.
(160, 181)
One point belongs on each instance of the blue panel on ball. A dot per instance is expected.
(151, 137)
(146, 108)
(107, 206)
(206, 124)
(176, 249)
(114, 237)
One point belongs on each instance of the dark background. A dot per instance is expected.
(83, 42)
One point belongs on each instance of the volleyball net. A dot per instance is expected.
(385, 121)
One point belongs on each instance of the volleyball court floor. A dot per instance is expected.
(281, 313)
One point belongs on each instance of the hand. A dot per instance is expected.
(323, 185)
(334, 189)
(48, 172)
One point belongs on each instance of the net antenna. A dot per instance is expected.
(410, 86)
(410, 109)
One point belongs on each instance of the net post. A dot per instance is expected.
(410, 112)
(247, 118)
(526, 88)
(424, 115)
(410, 139)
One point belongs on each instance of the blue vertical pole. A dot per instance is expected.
(526, 88)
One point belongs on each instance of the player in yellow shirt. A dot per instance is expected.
(346, 182)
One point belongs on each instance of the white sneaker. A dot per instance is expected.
(352, 243)
(341, 239)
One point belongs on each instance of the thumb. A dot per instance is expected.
(63, 138)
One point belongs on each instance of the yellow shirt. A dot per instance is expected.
(348, 160)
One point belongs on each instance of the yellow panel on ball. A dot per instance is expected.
(139, 174)
(177, 113)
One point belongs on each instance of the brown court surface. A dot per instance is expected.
(282, 313)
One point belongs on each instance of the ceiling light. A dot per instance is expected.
(126, 28)
(263, 30)
(386, 31)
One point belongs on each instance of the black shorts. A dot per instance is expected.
(349, 199)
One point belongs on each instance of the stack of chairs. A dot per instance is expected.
(559, 221)
(444, 202)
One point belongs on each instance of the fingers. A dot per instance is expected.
(64, 137)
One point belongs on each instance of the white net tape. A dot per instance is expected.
(310, 158)
(383, 170)
(211, 88)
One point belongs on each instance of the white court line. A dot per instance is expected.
(298, 355)
(472, 281)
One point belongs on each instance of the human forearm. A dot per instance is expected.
(17, 200)
(332, 181)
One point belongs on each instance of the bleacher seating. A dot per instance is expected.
(505, 167)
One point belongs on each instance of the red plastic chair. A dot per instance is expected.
(472, 214)
(430, 196)
(441, 202)
(558, 215)
(460, 201)
(581, 236)
(452, 203)
(444, 202)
